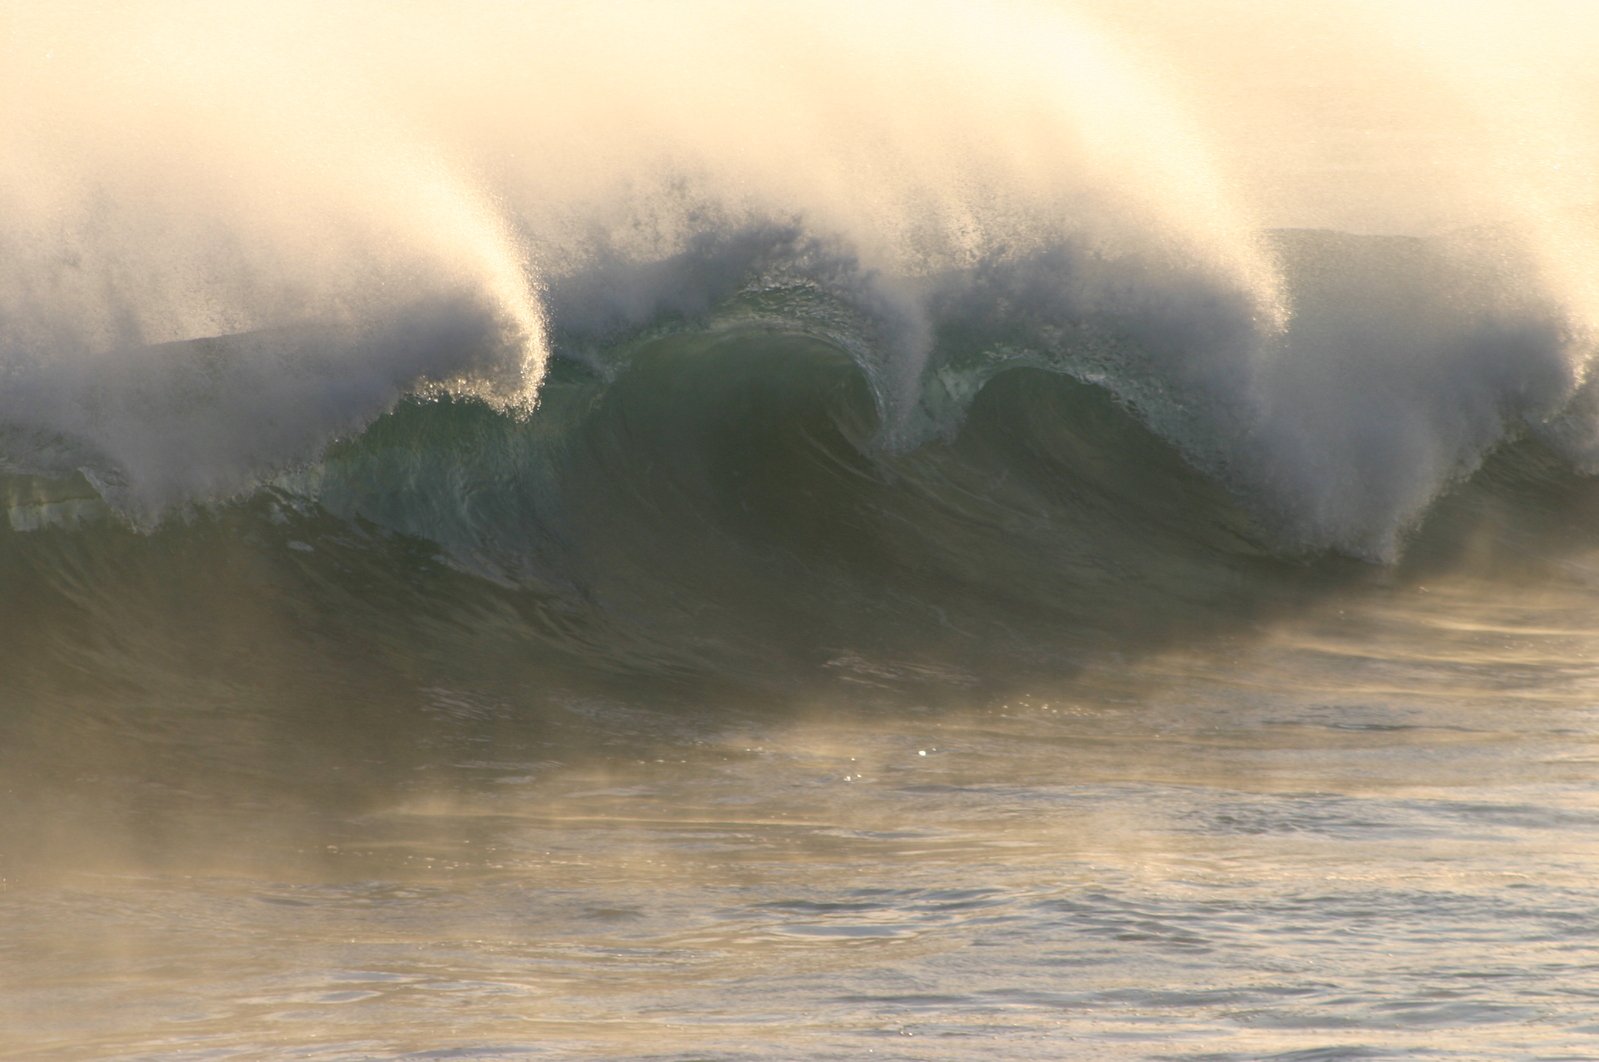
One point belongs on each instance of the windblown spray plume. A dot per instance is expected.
(395, 396)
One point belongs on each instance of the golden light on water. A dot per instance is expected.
(921, 530)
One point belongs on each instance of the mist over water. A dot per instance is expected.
(640, 530)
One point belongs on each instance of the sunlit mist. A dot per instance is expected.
(911, 530)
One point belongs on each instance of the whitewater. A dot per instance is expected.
(708, 531)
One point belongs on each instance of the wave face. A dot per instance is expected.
(718, 510)
(704, 340)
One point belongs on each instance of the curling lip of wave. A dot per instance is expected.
(968, 189)
(169, 174)
(1444, 361)
(716, 509)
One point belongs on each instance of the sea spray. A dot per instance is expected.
(232, 236)
(798, 530)
(338, 169)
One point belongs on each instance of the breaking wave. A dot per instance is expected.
(1010, 332)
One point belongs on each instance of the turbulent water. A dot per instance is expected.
(913, 531)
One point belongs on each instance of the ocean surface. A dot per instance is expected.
(936, 531)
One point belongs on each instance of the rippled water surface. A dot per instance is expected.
(1359, 835)
(922, 529)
